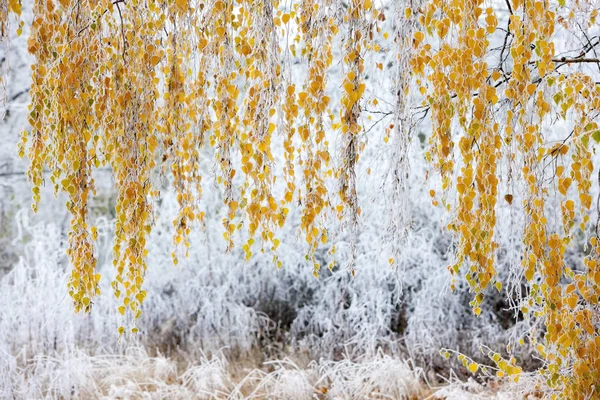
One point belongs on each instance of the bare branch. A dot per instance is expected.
(510, 10)
(565, 60)
(105, 11)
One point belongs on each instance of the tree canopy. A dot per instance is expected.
(145, 86)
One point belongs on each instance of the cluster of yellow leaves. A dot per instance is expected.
(7, 7)
(318, 27)
(456, 71)
(360, 32)
(462, 87)
(504, 367)
(10, 6)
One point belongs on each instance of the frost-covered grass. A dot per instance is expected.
(136, 375)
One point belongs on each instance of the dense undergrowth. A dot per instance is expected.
(213, 302)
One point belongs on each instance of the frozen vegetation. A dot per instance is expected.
(216, 326)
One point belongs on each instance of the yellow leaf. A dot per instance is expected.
(498, 286)
(529, 274)
(572, 301)
(181, 5)
(349, 87)
(288, 197)
(418, 37)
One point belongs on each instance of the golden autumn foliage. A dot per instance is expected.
(494, 103)
(140, 85)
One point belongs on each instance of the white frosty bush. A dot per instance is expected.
(212, 299)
